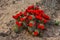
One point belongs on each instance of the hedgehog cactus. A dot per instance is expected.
(32, 19)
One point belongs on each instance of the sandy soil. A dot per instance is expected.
(8, 8)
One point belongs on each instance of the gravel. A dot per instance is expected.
(8, 8)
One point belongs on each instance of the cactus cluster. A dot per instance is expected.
(32, 19)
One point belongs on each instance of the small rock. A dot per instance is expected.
(14, 35)
(4, 31)
(10, 23)
(13, 2)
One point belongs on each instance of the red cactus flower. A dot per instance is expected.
(30, 24)
(30, 17)
(30, 11)
(46, 16)
(41, 27)
(45, 21)
(17, 15)
(19, 24)
(31, 7)
(36, 12)
(22, 19)
(38, 17)
(35, 33)
(14, 17)
(25, 13)
(20, 13)
(41, 12)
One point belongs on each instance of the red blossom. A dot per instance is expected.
(41, 27)
(36, 12)
(41, 12)
(20, 13)
(30, 17)
(31, 7)
(45, 21)
(19, 24)
(25, 13)
(35, 33)
(30, 24)
(22, 19)
(46, 16)
(15, 17)
(38, 17)
(30, 11)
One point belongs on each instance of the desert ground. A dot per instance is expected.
(8, 8)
